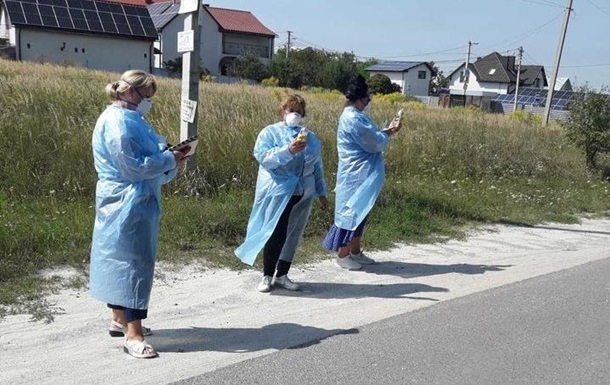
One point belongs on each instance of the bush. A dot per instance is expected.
(589, 123)
(522, 116)
(271, 81)
(381, 84)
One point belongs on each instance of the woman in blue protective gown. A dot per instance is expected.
(132, 162)
(360, 175)
(290, 177)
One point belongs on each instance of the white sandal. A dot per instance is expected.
(139, 349)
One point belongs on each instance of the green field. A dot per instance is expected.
(447, 170)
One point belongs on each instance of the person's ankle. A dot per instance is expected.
(135, 337)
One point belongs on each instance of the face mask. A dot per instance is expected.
(292, 119)
(144, 106)
(367, 109)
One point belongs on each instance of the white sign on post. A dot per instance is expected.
(187, 6)
(186, 41)
(187, 110)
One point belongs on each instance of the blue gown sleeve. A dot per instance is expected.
(318, 174)
(368, 137)
(133, 164)
(268, 154)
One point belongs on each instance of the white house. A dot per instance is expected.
(225, 34)
(92, 34)
(494, 74)
(412, 77)
(561, 84)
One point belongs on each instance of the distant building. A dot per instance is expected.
(412, 77)
(92, 34)
(492, 75)
(561, 84)
(225, 34)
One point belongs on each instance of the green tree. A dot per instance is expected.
(313, 68)
(588, 125)
(175, 67)
(381, 84)
(438, 80)
(248, 66)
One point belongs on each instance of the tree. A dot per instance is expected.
(438, 80)
(248, 66)
(175, 67)
(588, 125)
(381, 84)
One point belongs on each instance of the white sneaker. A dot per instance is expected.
(265, 285)
(285, 282)
(348, 263)
(362, 258)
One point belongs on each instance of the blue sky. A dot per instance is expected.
(422, 30)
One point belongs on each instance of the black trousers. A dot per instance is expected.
(273, 247)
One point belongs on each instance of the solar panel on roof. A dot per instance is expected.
(83, 15)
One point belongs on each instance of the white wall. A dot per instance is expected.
(168, 43)
(95, 52)
(3, 23)
(457, 87)
(409, 81)
(211, 42)
(415, 85)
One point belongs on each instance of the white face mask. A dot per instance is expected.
(144, 106)
(292, 119)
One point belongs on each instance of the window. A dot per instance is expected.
(83, 50)
(462, 76)
(421, 74)
(492, 71)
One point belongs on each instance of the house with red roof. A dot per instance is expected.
(225, 34)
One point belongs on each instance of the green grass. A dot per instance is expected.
(447, 170)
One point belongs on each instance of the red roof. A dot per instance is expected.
(232, 20)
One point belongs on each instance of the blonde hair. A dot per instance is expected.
(293, 103)
(133, 78)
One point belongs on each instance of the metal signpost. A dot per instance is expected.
(188, 45)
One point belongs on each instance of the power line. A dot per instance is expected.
(545, 2)
(529, 33)
(599, 8)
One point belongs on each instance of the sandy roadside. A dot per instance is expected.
(207, 320)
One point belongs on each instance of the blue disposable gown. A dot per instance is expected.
(131, 165)
(281, 175)
(361, 170)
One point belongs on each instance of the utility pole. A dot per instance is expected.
(518, 78)
(562, 37)
(288, 43)
(188, 45)
(466, 70)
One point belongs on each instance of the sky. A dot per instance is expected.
(424, 30)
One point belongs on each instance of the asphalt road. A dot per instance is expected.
(551, 329)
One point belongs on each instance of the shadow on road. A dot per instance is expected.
(572, 230)
(411, 270)
(330, 290)
(241, 340)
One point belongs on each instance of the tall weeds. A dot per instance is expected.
(446, 168)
